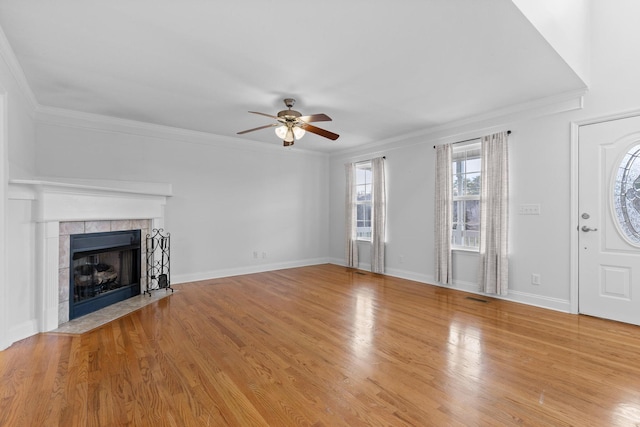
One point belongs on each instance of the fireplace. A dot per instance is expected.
(104, 269)
(63, 207)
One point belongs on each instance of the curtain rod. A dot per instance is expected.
(472, 139)
(366, 161)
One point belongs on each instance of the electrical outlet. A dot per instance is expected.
(264, 255)
(535, 279)
(401, 259)
(255, 254)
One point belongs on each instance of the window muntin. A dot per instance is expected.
(466, 163)
(363, 200)
(626, 196)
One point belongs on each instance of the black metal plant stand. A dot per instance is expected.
(158, 257)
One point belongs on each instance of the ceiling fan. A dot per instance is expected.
(291, 125)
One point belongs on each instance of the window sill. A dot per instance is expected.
(466, 250)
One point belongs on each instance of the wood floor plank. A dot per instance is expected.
(327, 346)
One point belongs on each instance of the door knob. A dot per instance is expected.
(586, 229)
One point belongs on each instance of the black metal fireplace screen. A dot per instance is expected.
(105, 269)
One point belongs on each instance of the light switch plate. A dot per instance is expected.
(529, 210)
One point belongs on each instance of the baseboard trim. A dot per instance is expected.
(249, 269)
(549, 303)
(555, 304)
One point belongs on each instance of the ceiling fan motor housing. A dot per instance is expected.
(289, 114)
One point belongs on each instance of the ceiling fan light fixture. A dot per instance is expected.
(289, 136)
(281, 131)
(298, 132)
(289, 133)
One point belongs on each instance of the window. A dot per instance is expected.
(363, 200)
(465, 233)
(626, 196)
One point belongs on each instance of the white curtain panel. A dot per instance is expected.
(443, 219)
(494, 200)
(351, 244)
(379, 215)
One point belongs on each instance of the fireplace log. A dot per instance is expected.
(89, 275)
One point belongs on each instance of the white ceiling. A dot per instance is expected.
(379, 68)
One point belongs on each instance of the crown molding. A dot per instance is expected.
(461, 129)
(97, 122)
(9, 58)
(560, 103)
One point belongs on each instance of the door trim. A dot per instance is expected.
(575, 136)
(4, 179)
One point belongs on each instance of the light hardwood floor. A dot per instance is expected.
(327, 346)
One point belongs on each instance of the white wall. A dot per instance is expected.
(20, 114)
(17, 158)
(230, 198)
(540, 162)
(4, 176)
(22, 292)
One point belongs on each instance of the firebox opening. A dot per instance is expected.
(105, 269)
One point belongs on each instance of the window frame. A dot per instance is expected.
(362, 205)
(462, 198)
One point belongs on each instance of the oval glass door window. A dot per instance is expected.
(626, 196)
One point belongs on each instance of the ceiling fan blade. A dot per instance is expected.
(315, 118)
(310, 128)
(258, 128)
(264, 114)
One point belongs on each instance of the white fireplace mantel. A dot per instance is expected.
(57, 200)
(82, 200)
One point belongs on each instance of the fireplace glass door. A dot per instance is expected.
(105, 269)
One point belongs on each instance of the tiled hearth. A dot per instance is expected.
(115, 311)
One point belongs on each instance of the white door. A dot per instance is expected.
(609, 220)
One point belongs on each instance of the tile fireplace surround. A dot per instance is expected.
(65, 207)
